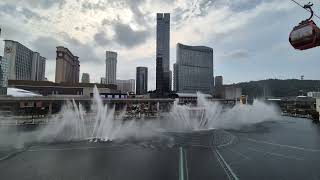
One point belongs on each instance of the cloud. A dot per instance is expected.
(27, 14)
(40, 4)
(234, 28)
(126, 36)
(100, 39)
(89, 6)
(46, 4)
(237, 54)
(46, 46)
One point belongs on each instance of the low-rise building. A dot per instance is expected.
(126, 86)
(103, 80)
(227, 92)
(314, 94)
(47, 88)
(232, 92)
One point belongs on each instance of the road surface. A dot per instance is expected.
(285, 149)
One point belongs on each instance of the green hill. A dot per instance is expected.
(278, 88)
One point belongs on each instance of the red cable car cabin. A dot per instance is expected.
(305, 36)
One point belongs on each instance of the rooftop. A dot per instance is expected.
(195, 48)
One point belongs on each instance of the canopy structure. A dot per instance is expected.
(15, 92)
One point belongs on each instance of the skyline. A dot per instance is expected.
(249, 40)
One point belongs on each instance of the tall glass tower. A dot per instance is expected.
(163, 53)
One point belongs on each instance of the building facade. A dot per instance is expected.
(193, 70)
(163, 53)
(3, 75)
(85, 78)
(47, 88)
(232, 92)
(103, 80)
(67, 66)
(38, 67)
(126, 86)
(23, 63)
(111, 67)
(218, 81)
(142, 80)
(219, 90)
(314, 95)
(3, 72)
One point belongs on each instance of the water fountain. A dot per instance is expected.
(74, 124)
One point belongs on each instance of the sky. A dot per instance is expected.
(249, 37)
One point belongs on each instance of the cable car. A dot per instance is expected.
(307, 34)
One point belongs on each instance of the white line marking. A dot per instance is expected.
(192, 145)
(282, 145)
(185, 159)
(228, 143)
(276, 154)
(241, 154)
(75, 148)
(220, 158)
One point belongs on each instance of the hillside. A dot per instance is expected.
(279, 88)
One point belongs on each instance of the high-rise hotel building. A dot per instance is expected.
(193, 70)
(67, 66)
(23, 63)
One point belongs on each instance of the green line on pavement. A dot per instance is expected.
(181, 165)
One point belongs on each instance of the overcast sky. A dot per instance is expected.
(249, 37)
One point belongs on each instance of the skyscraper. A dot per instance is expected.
(111, 67)
(193, 70)
(142, 80)
(163, 53)
(67, 66)
(23, 63)
(85, 78)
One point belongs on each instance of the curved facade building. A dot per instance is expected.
(193, 70)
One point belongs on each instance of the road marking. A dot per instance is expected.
(185, 159)
(241, 154)
(225, 166)
(282, 145)
(8, 156)
(75, 148)
(204, 146)
(228, 143)
(275, 154)
(181, 165)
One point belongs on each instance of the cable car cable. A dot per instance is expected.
(307, 9)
